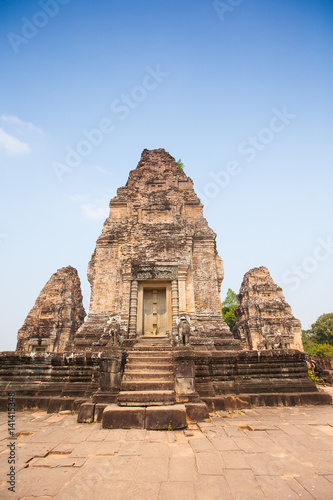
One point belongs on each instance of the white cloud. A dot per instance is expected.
(14, 120)
(94, 211)
(76, 198)
(103, 171)
(91, 210)
(12, 145)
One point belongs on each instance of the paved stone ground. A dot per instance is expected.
(273, 453)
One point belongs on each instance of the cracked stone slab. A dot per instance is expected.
(52, 461)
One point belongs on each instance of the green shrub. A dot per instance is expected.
(180, 165)
(314, 377)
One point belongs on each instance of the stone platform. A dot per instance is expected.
(161, 417)
(157, 376)
(254, 454)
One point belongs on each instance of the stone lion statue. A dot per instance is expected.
(271, 341)
(184, 330)
(278, 341)
(112, 330)
(264, 344)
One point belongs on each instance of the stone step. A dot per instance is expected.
(148, 376)
(154, 340)
(134, 366)
(143, 385)
(152, 359)
(146, 358)
(155, 348)
(152, 352)
(162, 418)
(146, 398)
(225, 341)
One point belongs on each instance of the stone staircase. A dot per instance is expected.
(147, 397)
(148, 379)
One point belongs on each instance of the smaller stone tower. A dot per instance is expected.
(57, 314)
(264, 319)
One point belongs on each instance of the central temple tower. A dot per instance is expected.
(155, 261)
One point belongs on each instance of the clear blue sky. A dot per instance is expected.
(242, 93)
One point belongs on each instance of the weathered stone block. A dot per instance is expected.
(78, 402)
(110, 371)
(99, 409)
(117, 417)
(60, 404)
(86, 413)
(183, 367)
(105, 397)
(184, 386)
(267, 399)
(166, 417)
(26, 403)
(197, 411)
(228, 402)
(320, 398)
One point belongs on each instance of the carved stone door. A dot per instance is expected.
(154, 312)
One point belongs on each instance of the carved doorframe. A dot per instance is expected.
(155, 272)
(153, 285)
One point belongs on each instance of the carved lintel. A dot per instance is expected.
(152, 271)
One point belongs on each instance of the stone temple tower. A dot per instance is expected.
(154, 349)
(155, 262)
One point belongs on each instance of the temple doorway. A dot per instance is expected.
(154, 309)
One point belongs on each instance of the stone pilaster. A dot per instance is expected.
(175, 305)
(182, 271)
(126, 300)
(133, 309)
